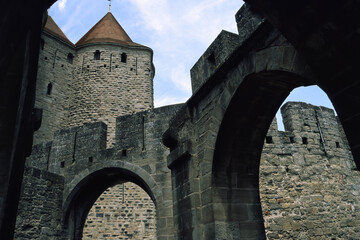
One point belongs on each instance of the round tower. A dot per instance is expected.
(112, 76)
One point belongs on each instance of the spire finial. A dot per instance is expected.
(109, 5)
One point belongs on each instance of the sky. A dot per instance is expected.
(179, 32)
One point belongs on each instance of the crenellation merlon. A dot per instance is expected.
(310, 127)
(247, 22)
(77, 146)
(216, 54)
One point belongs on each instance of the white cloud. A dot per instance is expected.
(62, 4)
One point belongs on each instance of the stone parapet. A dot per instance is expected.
(216, 54)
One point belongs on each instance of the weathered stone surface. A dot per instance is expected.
(313, 197)
(39, 213)
(216, 140)
(124, 211)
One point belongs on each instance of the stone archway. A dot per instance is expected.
(238, 149)
(85, 192)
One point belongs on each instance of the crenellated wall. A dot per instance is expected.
(309, 185)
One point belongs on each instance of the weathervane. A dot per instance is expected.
(109, 5)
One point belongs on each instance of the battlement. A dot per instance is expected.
(77, 148)
(309, 128)
(223, 46)
(247, 22)
(216, 54)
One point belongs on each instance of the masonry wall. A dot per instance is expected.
(39, 212)
(107, 88)
(124, 211)
(75, 151)
(309, 187)
(54, 70)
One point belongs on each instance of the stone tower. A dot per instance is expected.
(103, 76)
(54, 80)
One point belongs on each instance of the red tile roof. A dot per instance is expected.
(53, 29)
(107, 30)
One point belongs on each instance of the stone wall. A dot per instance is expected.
(124, 211)
(79, 153)
(54, 72)
(39, 212)
(308, 183)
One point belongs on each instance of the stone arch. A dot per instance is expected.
(244, 124)
(81, 193)
(248, 105)
(238, 150)
(280, 63)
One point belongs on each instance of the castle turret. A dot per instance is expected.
(113, 76)
(52, 85)
(103, 76)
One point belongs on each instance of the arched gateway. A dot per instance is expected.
(215, 139)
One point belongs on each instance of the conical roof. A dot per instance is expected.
(53, 29)
(107, 30)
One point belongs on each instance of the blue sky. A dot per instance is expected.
(177, 31)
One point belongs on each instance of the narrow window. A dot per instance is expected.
(123, 57)
(269, 139)
(292, 140)
(62, 164)
(97, 55)
(70, 58)
(124, 153)
(49, 89)
(304, 140)
(337, 144)
(90, 159)
(42, 43)
(211, 59)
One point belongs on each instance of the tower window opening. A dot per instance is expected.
(42, 44)
(123, 153)
(304, 140)
(70, 58)
(211, 59)
(292, 140)
(49, 89)
(123, 57)
(337, 144)
(269, 139)
(62, 164)
(91, 159)
(97, 55)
